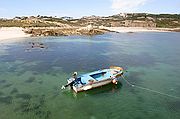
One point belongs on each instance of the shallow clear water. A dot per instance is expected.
(30, 79)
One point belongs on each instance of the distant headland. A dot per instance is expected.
(93, 25)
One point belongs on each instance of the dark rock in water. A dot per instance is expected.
(38, 45)
(14, 91)
(64, 31)
(6, 99)
(2, 81)
(30, 80)
(7, 85)
(24, 96)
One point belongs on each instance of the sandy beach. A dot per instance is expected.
(136, 29)
(8, 34)
(11, 34)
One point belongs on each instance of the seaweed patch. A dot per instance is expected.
(40, 82)
(35, 73)
(2, 81)
(54, 74)
(31, 79)
(24, 107)
(21, 72)
(14, 91)
(138, 117)
(7, 85)
(24, 96)
(1, 93)
(37, 108)
(6, 99)
(43, 114)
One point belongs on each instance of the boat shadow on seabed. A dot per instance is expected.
(106, 89)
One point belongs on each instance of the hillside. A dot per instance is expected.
(119, 20)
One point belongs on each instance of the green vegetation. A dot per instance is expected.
(10, 23)
(167, 24)
(21, 23)
(161, 20)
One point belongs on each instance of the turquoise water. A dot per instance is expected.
(30, 79)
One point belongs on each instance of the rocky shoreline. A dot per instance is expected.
(67, 31)
(12, 33)
(59, 31)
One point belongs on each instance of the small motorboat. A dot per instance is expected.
(94, 79)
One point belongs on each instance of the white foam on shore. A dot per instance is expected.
(10, 34)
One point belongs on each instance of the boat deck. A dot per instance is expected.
(95, 76)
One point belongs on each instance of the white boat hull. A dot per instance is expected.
(92, 85)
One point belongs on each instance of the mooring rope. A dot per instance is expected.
(150, 90)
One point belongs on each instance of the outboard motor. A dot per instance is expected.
(70, 81)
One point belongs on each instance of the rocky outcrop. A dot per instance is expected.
(63, 31)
